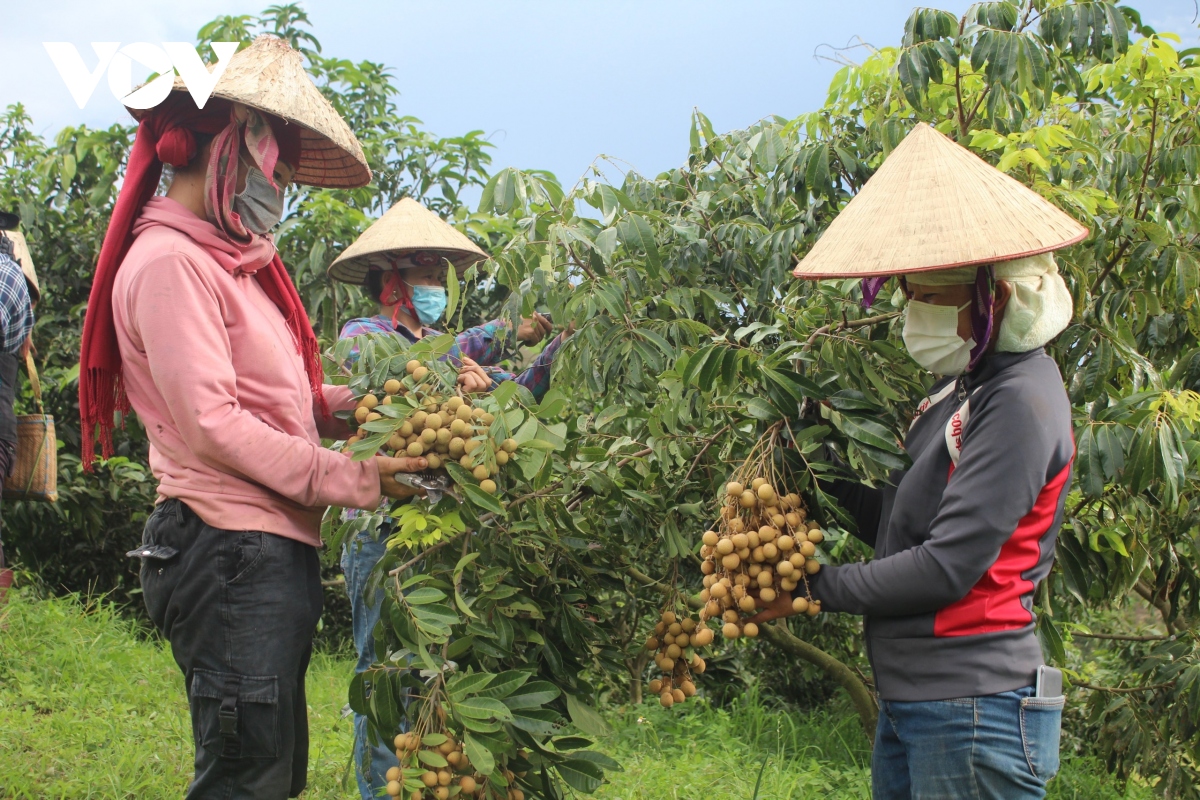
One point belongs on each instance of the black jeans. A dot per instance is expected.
(239, 609)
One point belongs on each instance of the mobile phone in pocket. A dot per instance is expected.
(1049, 682)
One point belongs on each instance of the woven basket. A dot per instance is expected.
(35, 469)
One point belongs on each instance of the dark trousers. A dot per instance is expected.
(239, 609)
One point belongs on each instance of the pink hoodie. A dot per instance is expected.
(214, 375)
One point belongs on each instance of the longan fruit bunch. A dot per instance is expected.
(673, 643)
(763, 542)
(437, 783)
(445, 427)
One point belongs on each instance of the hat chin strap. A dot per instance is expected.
(397, 295)
(983, 305)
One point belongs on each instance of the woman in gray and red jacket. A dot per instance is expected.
(965, 534)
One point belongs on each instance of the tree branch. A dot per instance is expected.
(1119, 637)
(847, 325)
(1123, 689)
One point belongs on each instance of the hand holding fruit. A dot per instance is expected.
(472, 378)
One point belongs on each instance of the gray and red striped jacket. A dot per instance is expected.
(963, 536)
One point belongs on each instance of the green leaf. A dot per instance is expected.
(462, 685)
(480, 755)
(583, 776)
(432, 757)
(452, 290)
(482, 708)
(533, 695)
(868, 432)
(637, 234)
(541, 722)
(434, 739)
(586, 718)
(482, 499)
(424, 596)
(506, 683)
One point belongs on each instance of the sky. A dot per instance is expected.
(553, 84)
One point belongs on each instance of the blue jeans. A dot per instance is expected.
(359, 557)
(997, 747)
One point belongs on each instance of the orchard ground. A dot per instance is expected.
(92, 708)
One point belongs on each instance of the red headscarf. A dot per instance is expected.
(167, 136)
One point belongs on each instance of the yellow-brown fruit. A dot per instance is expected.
(725, 547)
(411, 366)
(785, 544)
(778, 520)
(767, 595)
(372, 416)
(729, 512)
(455, 447)
(736, 525)
(415, 794)
(814, 608)
(731, 561)
(678, 695)
(718, 591)
(652, 643)
(444, 777)
(793, 519)
(666, 664)
(750, 630)
(674, 628)
(397, 442)
(731, 630)
(740, 541)
(784, 569)
(812, 566)
(669, 618)
(464, 412)
(467, 784)
(734, 489)
(454, 403)
(360, 414)
(688, 688)
(406, 429)
(757, 482)
(765, 579)
(797, 560)
(703, 637)
(433, 421)
(730, 616)
(766, 494)
(655, 686)
(415, 449)
(794, 499)
(418, 419)
(429, 778)
(394, 788)
(431, 407)
(480, 473)
(758, 555)
(459, 428)
(808, 549)
(442, 793)
(674, 651)
(393, 774)
(749, 499)
(770, 551)
(746, 604)
(466, 462)
(710, 538)
(666, 699)
(660, 628)
(515, 794)
(509, 445)
(816, 536)
(688, 624)
(471, 445)
(788, 584)
(683, 640)
(446, 747)
(443, 437)
(401, 741)
(744, 553)
(487, 418)
(754, 541)
(435, 461)
(712, 608)
(392, 386)
(368, 401)
(707, 567)
(699, 664)
(454, 757)
(767, 534)
(488, 486)
(419, 373)
(800, 605)
(428, 436)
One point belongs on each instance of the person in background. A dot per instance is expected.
(963, 535)
(402, 262)
(18, 295)
(194, 322)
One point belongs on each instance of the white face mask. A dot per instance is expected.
(931, 336)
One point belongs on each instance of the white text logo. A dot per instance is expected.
(118, 62)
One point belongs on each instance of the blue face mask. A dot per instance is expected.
(429, 302)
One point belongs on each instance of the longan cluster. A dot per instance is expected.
(673, 644)
(763, 543)
(457, 778)
(442, 428)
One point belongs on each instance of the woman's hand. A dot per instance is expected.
(472, 378)
(388, 467)
(781, 606)
(532, 331)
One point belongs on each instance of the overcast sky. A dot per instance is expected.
(554, 84)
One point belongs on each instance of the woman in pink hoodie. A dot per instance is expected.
(215, 354)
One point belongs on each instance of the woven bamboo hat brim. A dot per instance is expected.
(269, 76)
(933, 205)
(21, 254)
(407, 227)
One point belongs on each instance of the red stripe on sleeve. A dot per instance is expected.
(994, 603)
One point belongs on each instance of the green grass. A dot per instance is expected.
(88, 709)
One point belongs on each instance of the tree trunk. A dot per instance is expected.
(864, 702)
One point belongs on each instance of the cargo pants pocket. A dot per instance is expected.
(1041, 723)
(236, 716)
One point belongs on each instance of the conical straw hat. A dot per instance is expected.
(934, 205)
(407, 227)
(21, 254)
(269, 76)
